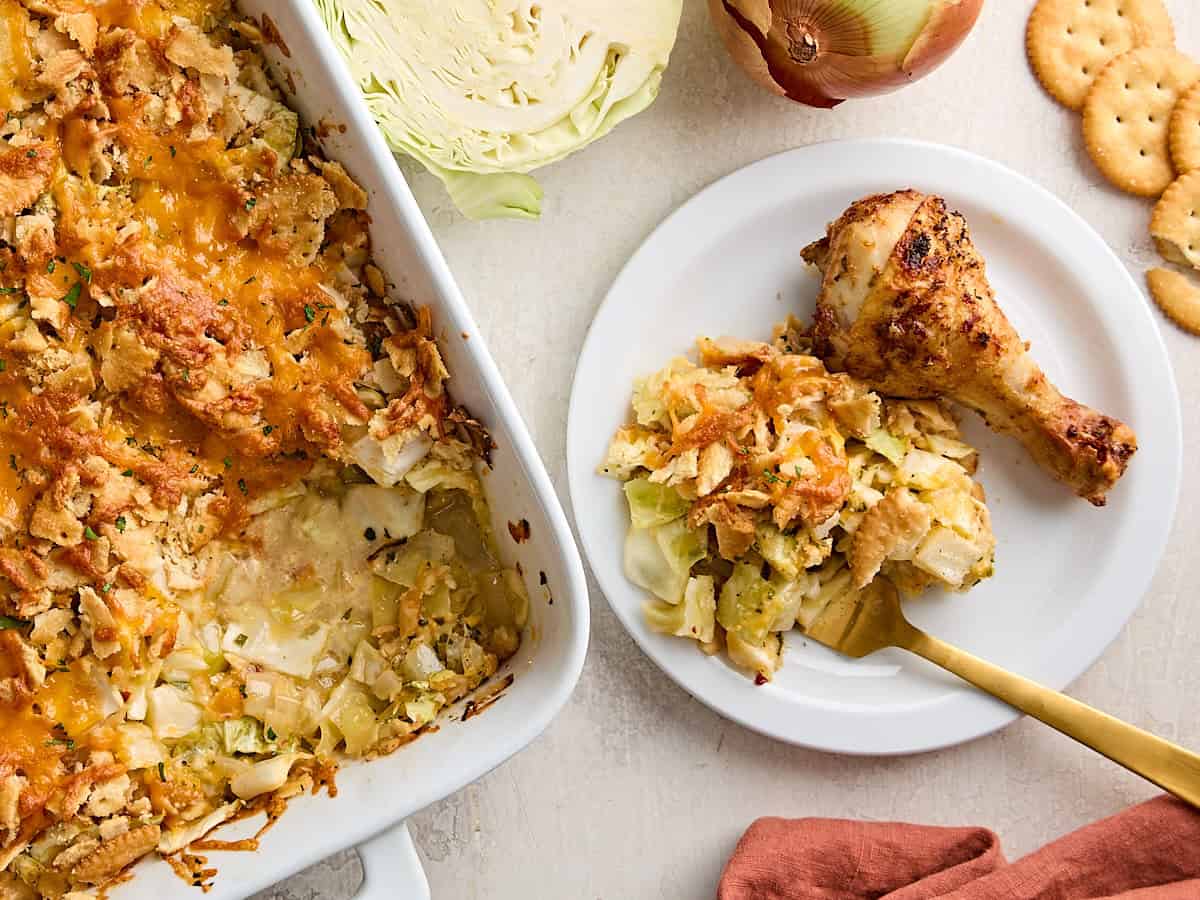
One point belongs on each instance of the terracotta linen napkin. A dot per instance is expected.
(1148, 852)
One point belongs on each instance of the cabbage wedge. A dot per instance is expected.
(481, 92)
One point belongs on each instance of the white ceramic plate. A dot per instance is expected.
(1068, 575)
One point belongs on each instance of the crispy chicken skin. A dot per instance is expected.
(905, 305)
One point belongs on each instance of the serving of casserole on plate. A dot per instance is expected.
(691, 540)
(244, 530)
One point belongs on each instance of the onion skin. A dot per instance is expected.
(814, 52)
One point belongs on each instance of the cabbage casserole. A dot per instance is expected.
(242, 531)
(761, 487)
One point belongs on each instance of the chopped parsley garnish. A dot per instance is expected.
(72, 296)
(83, 271)
(250, 204)
(222, 302)
(128, 473)
(172, 149)
(193, 470)
(9, 290)
(50, 267)
(228, 462)
(90, 534)
(309, 313)
(267, 429)
(131, 441)
(7, 622)
(106, 587)
(63, 742)
(162, 772)
(32, 154)
(120, 523)
(242, 485)
(270, 733)
(149, 159)
(3, 364)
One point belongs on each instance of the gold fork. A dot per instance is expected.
(859, 624)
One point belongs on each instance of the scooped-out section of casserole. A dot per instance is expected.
(242, 532)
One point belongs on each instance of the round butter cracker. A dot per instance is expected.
(1070, 41)
(1127, 115)
(1177, 296)
(1175, 225)
(1185, 131)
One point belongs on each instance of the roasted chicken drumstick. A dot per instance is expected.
(906, 306)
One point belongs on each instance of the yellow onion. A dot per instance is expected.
(821, 52)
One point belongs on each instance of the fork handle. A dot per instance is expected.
(1167, 765)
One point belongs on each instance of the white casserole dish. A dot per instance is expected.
(374, 798)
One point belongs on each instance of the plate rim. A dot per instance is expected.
(1003, 715)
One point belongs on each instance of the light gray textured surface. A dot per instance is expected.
(638, 791)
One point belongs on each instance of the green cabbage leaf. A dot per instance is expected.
(481, 92)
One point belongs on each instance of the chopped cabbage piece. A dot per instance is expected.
(350, 710)
(763, 657)
(172, 712)
(749, 605)
(647, 565)
(420, 662)
(368, 663)
(175, 839)
(924, 471)
(682, 546)
(422, 711)
(243, 735)
(265, 776)
(387, 462)
(694, 617)
(653, 504)
(434, 473)
(888, 445)
(402, 565)
(955, 509)
(947, 556)
(790, 594)
(290, 649)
